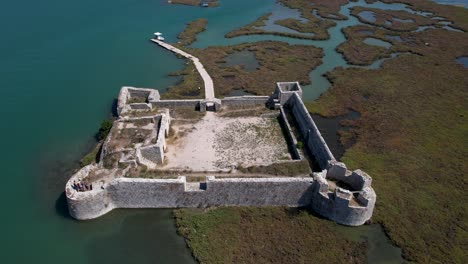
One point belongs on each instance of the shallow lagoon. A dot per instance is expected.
(463, 61)
(245, 59)
(377, 42)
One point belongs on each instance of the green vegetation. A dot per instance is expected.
(456, 14)
(143, 172)
(272, 235)
(104, 130)
(134, 100)
(189, 35)
(313, 24)
(384, 18)
(92, 156)
(190, 86)
(411, 138)
(318, 26)
(111, 160)
(288, 169)
(277, 60)
(356, 52)
(325, 8)
(186, 113)
(252, 29)
(290, 62)
(299, 145)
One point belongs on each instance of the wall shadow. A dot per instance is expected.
(61, 207)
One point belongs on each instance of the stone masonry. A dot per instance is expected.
(334, 192)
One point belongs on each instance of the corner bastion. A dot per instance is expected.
(138, 141)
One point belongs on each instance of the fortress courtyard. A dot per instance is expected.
(225, 140)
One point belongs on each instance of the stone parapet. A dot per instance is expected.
(335, 192)
(127, 93)
(311, 134)
(174, 193)
(246, 100)
(342, 206)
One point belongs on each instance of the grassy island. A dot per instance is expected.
(316, 26)
(189, 35)
(277, 61)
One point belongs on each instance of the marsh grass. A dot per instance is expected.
(269, 234)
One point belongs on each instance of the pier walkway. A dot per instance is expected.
(209, 89)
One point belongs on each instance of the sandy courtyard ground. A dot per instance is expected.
(219, 143)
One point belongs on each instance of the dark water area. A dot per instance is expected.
(365, 32)
(329, 128)
(367, 15)
(244, 58)
(280, 12)
(377, 42)
(379, 250)
(394, 38)
(463, 61)
(452, 29)
(462, 3)
(403, 20)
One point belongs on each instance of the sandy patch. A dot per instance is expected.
(216, 143)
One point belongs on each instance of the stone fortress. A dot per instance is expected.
(142, 138)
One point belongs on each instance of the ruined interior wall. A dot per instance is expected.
(153, 153)
(245, 100)
(310, 132)
(290, 138)
(140, 106)
(195, 103)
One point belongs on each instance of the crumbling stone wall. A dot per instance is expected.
(127, 92)
(290, 138)
(338, 205)
(245, 100)
(313, 139)
(194, 103)
(353, 206)
(173, 193)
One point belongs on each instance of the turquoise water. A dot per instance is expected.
(63, 63)
(463, 3)
(377, 42)
(280, 12)
(367, 15)
(463, 61)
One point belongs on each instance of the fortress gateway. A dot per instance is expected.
(236, 151)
